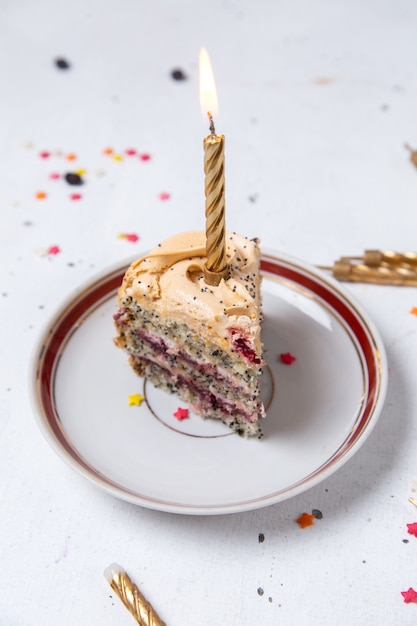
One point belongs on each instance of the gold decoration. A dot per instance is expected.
(216, 266)
(413, 154)
(131, 597)
(413, 501)
(387, 258)
(381, 275)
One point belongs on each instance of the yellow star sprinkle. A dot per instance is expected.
(81, 171)
(136, 399)
(117, 157)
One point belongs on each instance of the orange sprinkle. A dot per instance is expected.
(414, 310)
(305, 520)
(108, 151)
(40, 195)
(71, 157)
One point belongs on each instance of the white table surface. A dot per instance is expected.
(317, 100)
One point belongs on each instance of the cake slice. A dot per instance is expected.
(199, 341)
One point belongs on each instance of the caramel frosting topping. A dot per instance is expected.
(170, 281)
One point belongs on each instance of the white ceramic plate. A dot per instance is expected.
(320, 409)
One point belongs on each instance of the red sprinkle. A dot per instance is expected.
(75, 196)
(412, 529)
(54, 250)
(130, 151)
(133, 237)
(44, 154)
(164, 195)
(145, 157)
(54, 176)
(410, 595)
(287, 358)
(181, 414)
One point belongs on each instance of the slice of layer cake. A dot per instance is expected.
(199, 341)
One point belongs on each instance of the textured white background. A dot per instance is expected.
(317, 100)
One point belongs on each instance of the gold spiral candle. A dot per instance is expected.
(216, 265)
(381, 275)
(131, 597)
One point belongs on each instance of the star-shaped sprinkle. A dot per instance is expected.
(135, 400)
(130, 151)
(181, 414)
(44, 154)
(75, 196)
(54, 175)
(108, 151)
(412, 529)
(71, 156)
(305, 520)
(40, 195)
(117, 157)
(54, 250)
(164, 195)
(414, 310)
(287, 358)
(410, 595)
(145, 156)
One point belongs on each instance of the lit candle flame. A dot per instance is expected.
(208, 94)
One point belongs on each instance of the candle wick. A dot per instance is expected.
(212, 129)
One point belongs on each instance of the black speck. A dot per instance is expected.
(405, 540)
(261, 537)
(260, 591)
(317, 514)
(178, 74)
(73, 179)
(384, 107)
(363, 561)
(27, 223)
(62, 64)
(269, 599)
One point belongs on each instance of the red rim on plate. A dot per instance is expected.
(326, 290)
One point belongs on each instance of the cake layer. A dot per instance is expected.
(200, 399)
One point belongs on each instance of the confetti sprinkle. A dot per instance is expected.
(412, 529)
(62, 64)
(81, 171)
(410, 595)
(117, 157)
(132, 237)
(305, 520)
(40, 195)
(287, 358)
(181, 414)
(178, 74)
(54, 250)
(108, 151)
(71, 156)
(164, 196)
(130, 151)
(54, 175)
(73, 179)
(414, 310)
(44, 154)
(75, 196)
(145, 157)
(135, 400)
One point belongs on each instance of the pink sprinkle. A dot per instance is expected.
(181, 414)
(54, 250)
(75, 196)
(54, 176)
(164, 195)
(145, 157)
(133, 237)
(412, 529)
(44, 154)
(130, 151)
(287, 358)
